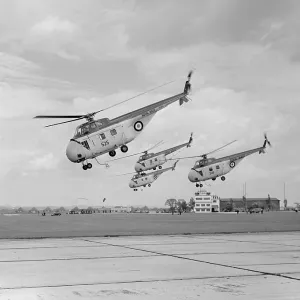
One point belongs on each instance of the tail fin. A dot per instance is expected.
(190, 140)
(175, 165)
(187, 89)
(183, 99)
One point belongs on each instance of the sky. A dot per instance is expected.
(73, 57)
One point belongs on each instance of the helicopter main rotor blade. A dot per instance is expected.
(218, 149)
(153, 146)
(143, 93)
(125, 156)
(65, 122)
(203, 155)
(58, 117)
(89, 115)
(125, 174)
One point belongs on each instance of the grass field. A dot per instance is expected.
(34, 226)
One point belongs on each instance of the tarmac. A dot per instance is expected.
(220, 266)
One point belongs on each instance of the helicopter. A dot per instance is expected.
(211, 168)
(143, 179)
(97, 137)
(150, 161)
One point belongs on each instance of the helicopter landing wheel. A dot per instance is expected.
(84, 167)
(213, 179)
(223, 178)
(112, 153)
(124, 148)
(197, 184)
(160, 167)
(154, 168)
(89, 165)
(201, 185)
(149, 184)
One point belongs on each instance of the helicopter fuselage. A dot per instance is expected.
(151, 160)
(212, 171)
(108, 139)
(143, 180)
(219, 167)
(150, 163)
(99, 137)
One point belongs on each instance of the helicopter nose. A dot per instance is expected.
(131, 184)
(138, 167)
(193, 176)
(73, 152)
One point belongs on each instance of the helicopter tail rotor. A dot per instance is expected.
(266, 141)
(187, 89)
(174, 166)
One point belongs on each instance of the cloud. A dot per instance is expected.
(53, 25)
(204, 21)
(245, 83)
(47, 162)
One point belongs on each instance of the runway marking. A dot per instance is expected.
(126, 282)
(149, 255)
(201, 261)
(50, 247)
(255, 242)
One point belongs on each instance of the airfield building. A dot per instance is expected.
(246, 203)
(206, 202)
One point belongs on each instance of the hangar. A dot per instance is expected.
(242, 203)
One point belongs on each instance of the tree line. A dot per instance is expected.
(180, 205)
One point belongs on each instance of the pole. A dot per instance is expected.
(246, 196)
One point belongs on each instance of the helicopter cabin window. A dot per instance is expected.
(98, 123)
(102, 136)
(86, 145)
(217, 167)
(113, 132)
(150, 161)
(155, 159)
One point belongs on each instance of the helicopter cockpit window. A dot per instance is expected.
(93, 126)
(85, 129)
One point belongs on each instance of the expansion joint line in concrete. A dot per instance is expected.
(196, 260)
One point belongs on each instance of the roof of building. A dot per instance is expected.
(248, 199)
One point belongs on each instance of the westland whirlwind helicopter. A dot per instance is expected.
(149, 161)
(211, 168)
(97, 137)
(143, 179)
